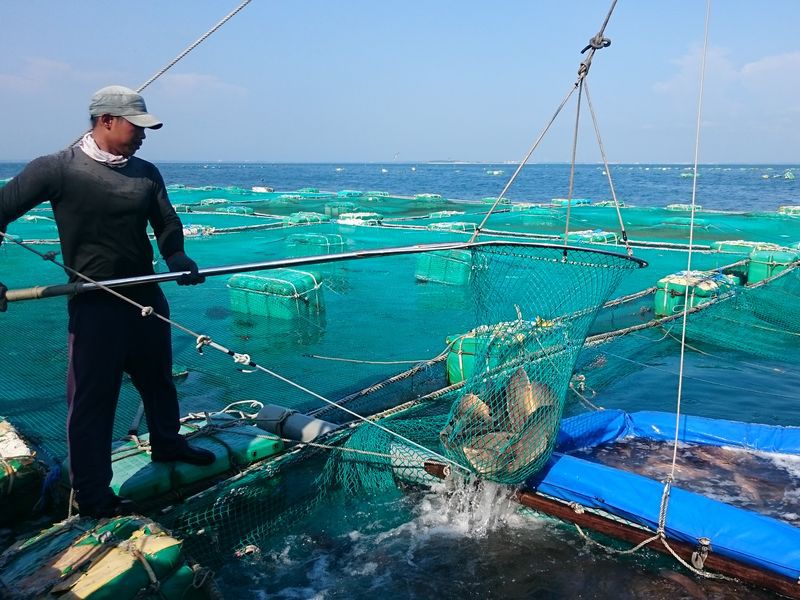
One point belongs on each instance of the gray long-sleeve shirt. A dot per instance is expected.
(101, 212)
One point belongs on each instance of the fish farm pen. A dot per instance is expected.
(374, 353)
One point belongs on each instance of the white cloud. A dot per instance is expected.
(37, 74)
(764, 87)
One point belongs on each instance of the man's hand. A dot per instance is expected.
(3, 300)
(180, 262)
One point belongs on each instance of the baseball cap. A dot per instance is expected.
(119, 101)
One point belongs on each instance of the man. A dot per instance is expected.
(103, 198)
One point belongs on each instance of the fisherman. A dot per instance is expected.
(103, 198)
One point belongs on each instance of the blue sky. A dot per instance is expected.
(409, 81)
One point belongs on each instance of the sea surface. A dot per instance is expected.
(722, 187)
(474, 544)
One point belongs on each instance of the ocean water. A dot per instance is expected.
(721, 187)
(421, 544)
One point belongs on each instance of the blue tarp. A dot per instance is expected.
(737, 533)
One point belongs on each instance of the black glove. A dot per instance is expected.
(179, 262)
(3, 300)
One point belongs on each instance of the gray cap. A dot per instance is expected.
(119, 101)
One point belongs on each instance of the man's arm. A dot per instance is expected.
(37, 183)
(168, 230)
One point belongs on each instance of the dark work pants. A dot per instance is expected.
(107, 337)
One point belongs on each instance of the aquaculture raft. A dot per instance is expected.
(759, 548)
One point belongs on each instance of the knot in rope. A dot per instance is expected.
(202, 575)
(242, 359)
(577, 508)
(202, 340)
(147, 311)
(51, 255)
(596, 43)
(701, 553)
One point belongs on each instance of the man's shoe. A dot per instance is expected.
(114, 506)
(187, 454)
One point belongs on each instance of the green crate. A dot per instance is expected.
(592, 236)
(765, 263)
(309, 244)
(285, 294)
(450, 267)
(703, 286)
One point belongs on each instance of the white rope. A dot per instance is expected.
(607, 169)
(180, 56)
(203, 340)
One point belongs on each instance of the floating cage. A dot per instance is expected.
(443, 214)
(741, 246)
(22, 474)
(308, 244)
(453, 226)
(236, 210)
(571, 201)
(182, 208)
(118, 558)
(450, 267)
(307, 218)
(610, 204)
(278, 294)
(682, 207)
(792, 210)
(349, 194)
(703, 287)
(334, 209)
(191, 230)
(377, 194)
(213, 201)
(360, 218)
(592, 236)
(308, 190)
(493, 199)
(766, 262)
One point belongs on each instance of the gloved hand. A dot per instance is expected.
(180, 262)
(3, 300)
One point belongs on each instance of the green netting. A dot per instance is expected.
(519, 315)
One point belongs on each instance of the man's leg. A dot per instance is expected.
(97, 340)
(149, 363)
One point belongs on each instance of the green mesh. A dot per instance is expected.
(524, 311)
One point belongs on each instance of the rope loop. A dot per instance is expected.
(701, 553)
(242, 359)
(147, 311)
(596, 43)
(202, 340)
(202, 575)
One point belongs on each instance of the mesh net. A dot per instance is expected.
(374, 338)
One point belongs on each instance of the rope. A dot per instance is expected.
(202, 340)
(522, 163)
(180, 56)
(607, 168)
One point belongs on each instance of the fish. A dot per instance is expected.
(471, 416)
(488, 453)
(217, 313)
(533, 442)
(689, 586)
(524, 398)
